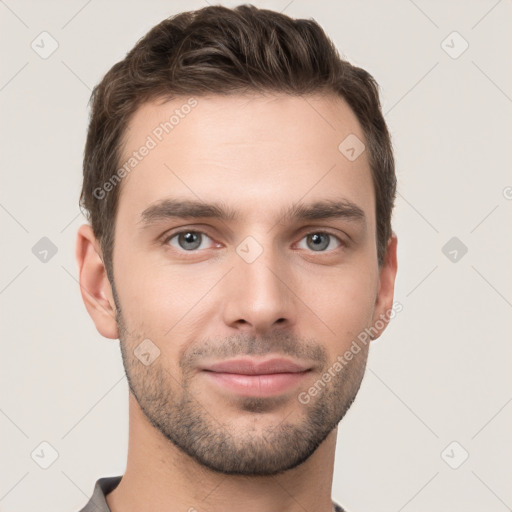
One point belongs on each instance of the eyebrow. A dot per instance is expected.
(192, 209)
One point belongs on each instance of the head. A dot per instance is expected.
(239, 182)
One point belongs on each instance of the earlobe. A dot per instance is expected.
(384, 301)
(94, 284)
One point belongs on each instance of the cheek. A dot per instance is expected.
(347, 302)
(164, 302)
(147, 293)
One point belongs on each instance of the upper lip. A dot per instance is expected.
(255, 367)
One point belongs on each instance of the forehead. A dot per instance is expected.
(256, 153)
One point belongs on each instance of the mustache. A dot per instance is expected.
(277, 344)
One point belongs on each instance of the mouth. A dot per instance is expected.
(250, 377)
(252, 366)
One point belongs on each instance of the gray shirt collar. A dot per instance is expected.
(103, 486)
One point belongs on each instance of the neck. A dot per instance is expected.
(159, 477)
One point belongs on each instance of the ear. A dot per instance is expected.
(94, 284)
(384, 301)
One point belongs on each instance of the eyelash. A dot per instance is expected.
(314, 232)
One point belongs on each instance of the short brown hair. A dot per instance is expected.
(217, 50)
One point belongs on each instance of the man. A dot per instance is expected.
(239, 180)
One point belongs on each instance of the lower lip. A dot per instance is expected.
(257, 385)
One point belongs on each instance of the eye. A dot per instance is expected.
(318, 241)
(187, 240)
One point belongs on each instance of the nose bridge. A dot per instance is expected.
(261, 295)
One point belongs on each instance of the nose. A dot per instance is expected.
(259, 295)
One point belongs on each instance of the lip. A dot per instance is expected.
(249, 377)
(255, 367)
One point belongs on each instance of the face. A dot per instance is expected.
(244, 233)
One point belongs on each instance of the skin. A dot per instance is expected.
(191, 443)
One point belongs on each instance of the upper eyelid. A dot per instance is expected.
(167, 236)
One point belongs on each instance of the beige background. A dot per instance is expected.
(440, 373)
